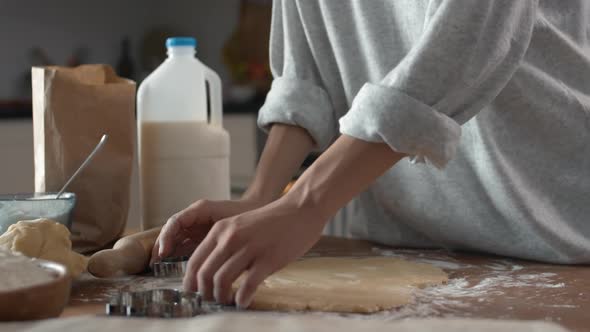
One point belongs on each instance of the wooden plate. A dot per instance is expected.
(40, 301)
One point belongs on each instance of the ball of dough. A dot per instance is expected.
(44, 239)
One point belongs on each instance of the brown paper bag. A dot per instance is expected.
(72, 109)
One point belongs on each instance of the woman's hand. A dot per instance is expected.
(183, 232)
(262, 241)
(256, 243)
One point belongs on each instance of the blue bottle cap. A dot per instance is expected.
(181, 41)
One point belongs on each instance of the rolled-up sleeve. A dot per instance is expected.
(466, 55)
(297, 96)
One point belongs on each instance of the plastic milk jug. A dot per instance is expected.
(183, 152)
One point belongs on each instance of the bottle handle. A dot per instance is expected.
(214, 97)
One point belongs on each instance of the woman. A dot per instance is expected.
(457, 124)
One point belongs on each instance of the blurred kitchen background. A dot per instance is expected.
(129, 35)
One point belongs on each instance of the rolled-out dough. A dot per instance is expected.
(341, 284)
(45, 239)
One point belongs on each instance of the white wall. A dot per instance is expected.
(60, 26)
(16, 156)
(210, 21)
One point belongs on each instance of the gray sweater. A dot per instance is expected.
(491, 99)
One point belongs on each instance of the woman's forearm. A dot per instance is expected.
(347, 168)
(285, 150)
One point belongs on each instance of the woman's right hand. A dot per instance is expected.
(183, 232)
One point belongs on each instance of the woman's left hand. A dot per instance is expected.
(256, 243)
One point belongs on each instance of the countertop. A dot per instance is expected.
(479, 287)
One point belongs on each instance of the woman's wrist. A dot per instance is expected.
(259, 197)
(312, 196)
(285, 149)
(306, 205)
(348, 167)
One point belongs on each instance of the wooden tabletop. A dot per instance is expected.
(479, 287)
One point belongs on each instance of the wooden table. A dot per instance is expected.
(479, 287)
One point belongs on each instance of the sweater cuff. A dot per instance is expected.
(300, 103)
(384, 114)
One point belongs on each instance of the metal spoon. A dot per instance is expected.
(98, 147)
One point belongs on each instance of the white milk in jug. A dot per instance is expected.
(183, 153)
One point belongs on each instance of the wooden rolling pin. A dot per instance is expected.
(130, 255)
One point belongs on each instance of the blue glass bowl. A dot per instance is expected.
(14, 208)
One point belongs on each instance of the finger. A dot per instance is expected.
(198, 212)
(186, 248)
(254, 276)
(194, 263)
(228, 273)
(209, 268)
(168, 236)
(155, 256)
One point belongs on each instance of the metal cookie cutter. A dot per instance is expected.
(171, 267)
(163, 303)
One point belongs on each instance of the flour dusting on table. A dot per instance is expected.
(496, 279)
(18, 271)
(450, 299)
